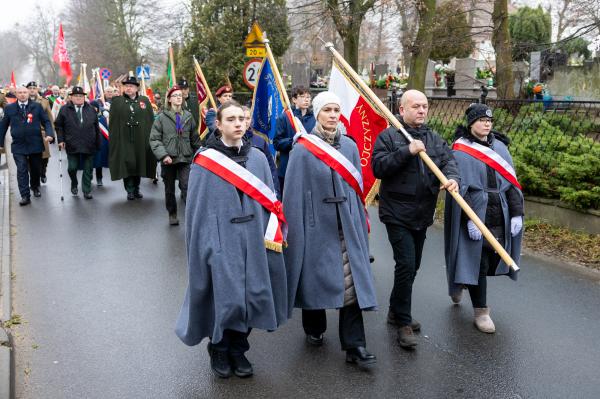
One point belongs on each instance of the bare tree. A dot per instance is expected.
(40, 39)
(14, 55)
(502, 45)
(119, 33)
(348, 16)
(422, 45)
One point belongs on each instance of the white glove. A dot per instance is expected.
(474, 233)
(516, 224)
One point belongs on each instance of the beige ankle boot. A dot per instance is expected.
(483, 321)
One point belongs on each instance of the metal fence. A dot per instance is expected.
(545, 130)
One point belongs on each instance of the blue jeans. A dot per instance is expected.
(29, 167)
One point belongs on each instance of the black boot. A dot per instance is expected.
(360, 356)
(241, 366)
(219, 362)
(314, 340)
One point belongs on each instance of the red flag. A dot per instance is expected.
(362, 122)
(13, 81)
(202, 103)
(61, 56)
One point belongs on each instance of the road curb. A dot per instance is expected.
(6, 343)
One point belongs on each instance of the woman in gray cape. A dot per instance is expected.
(490, 187)
(237, 278)
(327, 257)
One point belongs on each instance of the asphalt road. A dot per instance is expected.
(98, 284)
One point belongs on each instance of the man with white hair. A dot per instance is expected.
(26, 118)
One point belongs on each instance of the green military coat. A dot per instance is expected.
(130, 122)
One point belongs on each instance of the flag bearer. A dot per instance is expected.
(327, 257)
(235, 230)
(130, 122)
(223, 94)
(407, 199)
(490, 186)
(174, 140)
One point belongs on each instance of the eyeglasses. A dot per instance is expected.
(485, 120)
(176, 95)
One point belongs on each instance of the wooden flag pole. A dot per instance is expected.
(203, 79)
(100, 85)
(436, 171)
(172, 61)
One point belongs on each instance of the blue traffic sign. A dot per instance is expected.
(143, 73)
(105, 73)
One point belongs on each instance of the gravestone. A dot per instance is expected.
(381, 70)
(535, 65)
(465, 74)
(300, 73)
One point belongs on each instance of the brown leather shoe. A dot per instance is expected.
(406, 337)
(391, 319)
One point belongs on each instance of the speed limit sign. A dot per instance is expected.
(251, 70)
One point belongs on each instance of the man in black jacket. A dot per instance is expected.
(407, 200)
(78, 130)
(25, 119)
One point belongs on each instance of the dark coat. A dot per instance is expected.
(26, 137)
(409, 190)
(234, 281)
(312, 200)
(79, 138)
(164, 139)
(260, 143)
(284, 136)
(462, 254)
(130, 123)
(191, 104)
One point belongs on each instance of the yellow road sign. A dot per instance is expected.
(255, 37)
(256, 52)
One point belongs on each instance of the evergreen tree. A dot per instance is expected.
(530, 30)
(217, 32)
(451, 33)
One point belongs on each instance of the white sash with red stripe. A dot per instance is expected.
(489, 157)
(222, 166)
(334, 159)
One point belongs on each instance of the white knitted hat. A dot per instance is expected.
(322, 99)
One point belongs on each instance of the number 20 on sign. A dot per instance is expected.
(256, 52)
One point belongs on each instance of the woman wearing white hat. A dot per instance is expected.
(327, 257)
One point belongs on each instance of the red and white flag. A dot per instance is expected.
(13, 81)
(202, 93)
(61, 56)
(362, 123)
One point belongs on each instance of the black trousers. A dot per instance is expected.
(29, 167)
(98, 174)
(132, 183)
(407, 245)
(234, 342)
(351, 326)
(170, 173)
(44, 167)
(487, 266)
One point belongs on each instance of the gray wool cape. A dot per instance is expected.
(234, 281)
(462, 254)
(313, 257)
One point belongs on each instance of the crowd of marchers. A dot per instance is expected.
(266, 237)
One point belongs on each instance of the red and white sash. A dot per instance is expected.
(222, 166)
(334, 159)
(489, 157)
